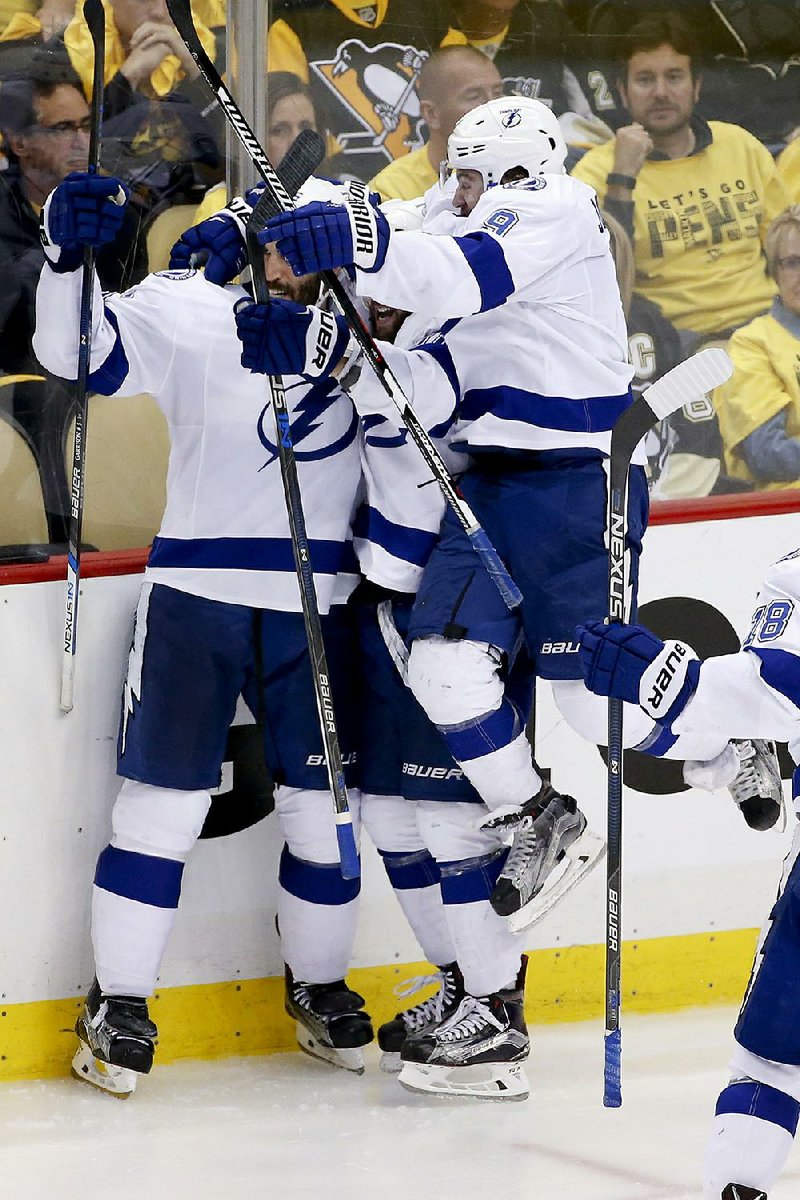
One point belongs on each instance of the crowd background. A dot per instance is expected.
(684, 116)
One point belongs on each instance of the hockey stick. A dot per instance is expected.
(690, 379)
(181, 14)
(348, 854)
(94, 16)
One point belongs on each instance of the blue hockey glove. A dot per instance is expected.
(284, 338)
(322, 236)
(84, 210)
(218, 243)
(631, 663)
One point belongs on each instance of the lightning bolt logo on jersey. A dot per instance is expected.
(308, 418)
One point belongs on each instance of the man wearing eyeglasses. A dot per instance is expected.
(44, 120)
(759, 409)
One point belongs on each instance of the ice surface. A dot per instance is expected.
(286, 1127)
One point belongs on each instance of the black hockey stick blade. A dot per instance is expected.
(299, 164)
(301, 160)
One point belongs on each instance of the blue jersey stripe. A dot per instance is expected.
(440, 352)
(780, 670)
(109, 378)
(593, 414)
(249, 554)
(486, 260)
(411, 545)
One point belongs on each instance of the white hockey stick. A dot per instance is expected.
(689, 380)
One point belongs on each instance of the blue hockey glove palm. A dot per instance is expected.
(322, 236)
(84, 210)
(284, 338)
(631, 663)
(218, 243)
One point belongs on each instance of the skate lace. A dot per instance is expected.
(430, 1010)
(470, 1017)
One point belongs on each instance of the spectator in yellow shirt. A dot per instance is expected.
(789, 168)
(453, 80)
(696, 196)
(759, 407)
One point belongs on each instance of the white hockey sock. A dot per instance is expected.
(487, 952)
(316, 939)
(391, 822)
(744, 1149)
(506, 776)
(138, 882)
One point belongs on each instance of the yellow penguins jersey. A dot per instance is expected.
(766, 381)
(407, 177)
(698, 225)
(362, 62)
(789, 170)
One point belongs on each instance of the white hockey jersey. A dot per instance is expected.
(545, 365)
(225, 532)
(756, 693)
(397, 527)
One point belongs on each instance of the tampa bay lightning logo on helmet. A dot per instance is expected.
(511, 118)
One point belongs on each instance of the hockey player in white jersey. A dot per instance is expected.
(754, 694)
(539, 386)
(219, 615)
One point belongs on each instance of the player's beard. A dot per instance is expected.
(303, 290)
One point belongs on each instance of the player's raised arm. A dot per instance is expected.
(512, 236)
(130, 332)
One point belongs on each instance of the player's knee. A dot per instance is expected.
(307, 824)
(450, 830)
(391, 822)
(157, 820)
(454, 681)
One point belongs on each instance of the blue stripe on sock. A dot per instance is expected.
(471, 879)
(410, 870)
(474, 739)
(759, 1100)
(319, 883)
(142, 877)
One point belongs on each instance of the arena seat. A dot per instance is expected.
(164, 231)
(127, 448)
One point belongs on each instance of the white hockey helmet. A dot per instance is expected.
(511, 131)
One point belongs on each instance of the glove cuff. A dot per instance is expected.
(61, 259)
(669, 682)
(369, 229)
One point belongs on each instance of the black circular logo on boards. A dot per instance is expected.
(709, 633)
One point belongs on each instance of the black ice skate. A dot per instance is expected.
(757, 788)
(548, 831)
(442, 1004)
(331, 1025)
(117, 1042)
(740, 1191)
(476, 1052)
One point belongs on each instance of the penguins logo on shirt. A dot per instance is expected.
(372, 97)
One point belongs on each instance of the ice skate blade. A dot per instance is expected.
(391, 1062)
(348, 1059)
(119, 1082)
(485, 1081)
(584, 854)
